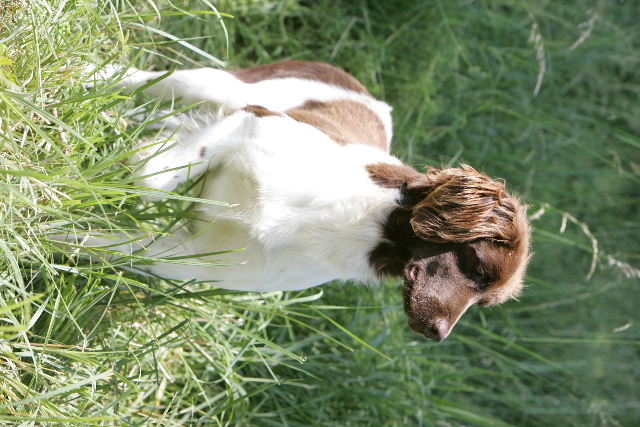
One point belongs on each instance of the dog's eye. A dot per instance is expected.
(481, 279)
(479, 273)
(479, 270)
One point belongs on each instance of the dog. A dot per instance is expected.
(299, 152)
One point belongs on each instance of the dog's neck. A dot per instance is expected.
(392, 253)
(342, 233)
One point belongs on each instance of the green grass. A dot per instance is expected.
(544, 94)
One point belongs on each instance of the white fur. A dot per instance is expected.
(303, 208)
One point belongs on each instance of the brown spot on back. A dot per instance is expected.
(344, 121)
(301, 70)
(260, 111)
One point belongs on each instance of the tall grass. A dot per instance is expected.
(544, 94)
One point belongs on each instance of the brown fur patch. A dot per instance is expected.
(345, 121)
(302, 70)
(260, 111)
(393, 176)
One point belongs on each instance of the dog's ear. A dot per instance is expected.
(461, 205)
(452, 205)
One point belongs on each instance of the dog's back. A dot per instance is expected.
(334, 109)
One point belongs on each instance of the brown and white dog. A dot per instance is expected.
(300, 153)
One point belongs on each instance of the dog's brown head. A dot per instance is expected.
(457, 237)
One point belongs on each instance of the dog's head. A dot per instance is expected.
(458, 238)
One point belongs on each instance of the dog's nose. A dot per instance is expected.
(411, 273)
(438, 330)
(443, 328)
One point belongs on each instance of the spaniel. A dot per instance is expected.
(299, 154)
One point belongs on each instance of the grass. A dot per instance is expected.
(544, 94)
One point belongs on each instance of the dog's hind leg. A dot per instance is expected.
(200, 84)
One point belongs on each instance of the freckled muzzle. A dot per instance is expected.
(426, 314)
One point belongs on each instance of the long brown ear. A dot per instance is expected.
(453, 205)
(461, 204)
